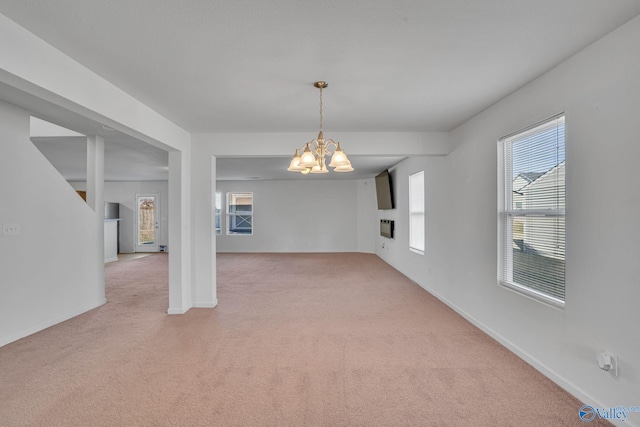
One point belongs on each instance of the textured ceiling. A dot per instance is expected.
(248, 66)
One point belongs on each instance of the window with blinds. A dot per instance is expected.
(218, 213)
(532, 211)
(416, 212)
(240, 213)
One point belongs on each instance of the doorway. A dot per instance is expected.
(147, 225)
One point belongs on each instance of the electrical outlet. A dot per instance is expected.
(10, 229)
(608, 362)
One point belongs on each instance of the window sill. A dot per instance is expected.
(534, 295)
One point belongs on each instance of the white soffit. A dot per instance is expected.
(41, 128)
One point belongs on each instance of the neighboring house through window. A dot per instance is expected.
(532, 211)
(240, 213)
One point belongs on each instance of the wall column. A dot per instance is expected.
(179, 232)
(95, 197)
(204, 242)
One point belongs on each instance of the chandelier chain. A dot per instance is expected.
(320, 108)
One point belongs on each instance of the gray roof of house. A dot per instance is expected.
(531, 176)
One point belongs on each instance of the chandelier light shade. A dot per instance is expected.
(314, 152)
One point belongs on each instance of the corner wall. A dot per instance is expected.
(48, 272)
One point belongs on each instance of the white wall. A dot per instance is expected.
(368, 223)
(48, 272)
(124, 192)
(599, 90)
(430, 269)
(300, 216)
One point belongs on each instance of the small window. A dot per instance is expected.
(532, 211)
(416, 212)
(218, 213)
(240, 213)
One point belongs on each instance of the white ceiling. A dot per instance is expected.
(248, 66)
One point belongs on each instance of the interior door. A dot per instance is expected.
(147, 222)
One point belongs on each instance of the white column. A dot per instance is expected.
(203, 170)
(95, 196)
(179, 234)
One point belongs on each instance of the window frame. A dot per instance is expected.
(232, 216)
(507, 212)
(417, 213)
(217, 215)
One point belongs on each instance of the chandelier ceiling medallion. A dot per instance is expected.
(312, 159)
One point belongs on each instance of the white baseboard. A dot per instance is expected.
(558, 379)
(206, 304)
(182, 310)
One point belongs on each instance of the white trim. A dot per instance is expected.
(544, 124)
(178, 310)
(533, 294)
(558, 379)
(206, 304)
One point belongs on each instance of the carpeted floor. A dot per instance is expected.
(297, 340)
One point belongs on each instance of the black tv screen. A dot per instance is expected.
(384, 192)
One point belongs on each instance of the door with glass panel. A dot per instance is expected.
(147, 222)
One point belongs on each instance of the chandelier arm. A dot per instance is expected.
(314, 145)
(335, 144)
(331, 141)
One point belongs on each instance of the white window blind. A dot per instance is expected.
(416, 212)
(532, 211)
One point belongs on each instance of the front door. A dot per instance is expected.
(147, 227)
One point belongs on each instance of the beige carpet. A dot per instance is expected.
(297, 340)
(132, 256)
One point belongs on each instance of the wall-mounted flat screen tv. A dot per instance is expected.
(384, 190)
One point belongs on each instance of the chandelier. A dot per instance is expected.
(312, 159)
